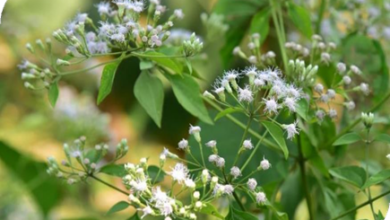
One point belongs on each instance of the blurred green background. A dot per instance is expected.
(31, 130)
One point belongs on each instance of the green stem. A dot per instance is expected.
(320, 16)
(109, 185)
(234, 193)
(361, 205)
(367, 174)
(242, 140)
(279, 34)
(201, 153)
(254, 151)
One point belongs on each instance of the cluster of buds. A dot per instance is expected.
(368, 119)
(192, 46)
(255, 56)
(214, 24)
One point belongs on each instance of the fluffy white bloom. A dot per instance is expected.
(196, 195)
(324, 98)
(190, 183)
(245, 94)
(229, 189)
(261, 197)
(364, 88)
(247, 144)
(325, 57)
(291, 130)
(179, 13)
(332, 113)
(179, 173)
(331, 93)
(147, 211)
(290, 103)
(265, 164)
(259, 82)
(271, 106)
(235, 172)
(104, 8)
(139, 185)
(350, 105)
(220, 162)
(355, 69)
(252, 183)
(183, 144)
(159, 196)
(319, 88)
(194, 129)
(341, 67)
(211, 144)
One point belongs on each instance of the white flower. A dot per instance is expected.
(265, 164)
(347, 80)
(179, 173)
(104, 8)
(271, 106)
(247, 144)
(196, 195)
(331, 93)
(259, 82)
(183, 144)
(324, 98)
(355, 69)
(179, 13)
(213, 158)
(147, 211)
(388, 156)
(325, 57)
(350, 105)
(320, 114)
(261, 197)
(190, 183)
(229, 189)
(159, 196)
(291, 130)
(319, 88)
(165, 208)
(364, 88)
(290, 103)
(235, 172)
(252, 183)
(341, 67)
(245, 94)
(139, 185)
(195, 130)
(220, 162)
(211, 144)
(332, 113)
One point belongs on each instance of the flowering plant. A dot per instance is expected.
(281, 125)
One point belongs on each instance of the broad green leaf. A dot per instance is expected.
(312, 154)
(346, 139)
(122, 205)
(106, 81)
(260, 23)
(277, 134)
(377, 178)
(54, 92)
(211, 211)
(383, 138)
(291, 193)
(336, 204)
(235, 214)
(187, 92)
(301, 18)
(145, 65)
(114, 170)
(149, 91)
(164, 61)
(227, 112)
(351, 174)
(46, 191)
(153, 171)
(302, 109)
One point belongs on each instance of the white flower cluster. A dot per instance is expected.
(120, 29)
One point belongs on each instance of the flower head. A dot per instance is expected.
(179, 173)
(271, 106)
(183, 144)
(252, 183)
(291, 130)
(235, 172)
(261, 198)
(265, 164)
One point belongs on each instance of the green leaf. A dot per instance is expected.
(227, 112)
(187, 92)
(351, 174)
(122, 205)
(164, 61)
(145, 65)
(377, 178)
(211, 211)
(45, 190)
(346, 139)
(383, 138)
(303, 109)
(301, 19)
(260, 24)
(106, 81)
(277, 134)
(153, 171)
(149, 92)
(279, 215)
(53, 93)
(235, 214)
(114, 170)
(134, 217)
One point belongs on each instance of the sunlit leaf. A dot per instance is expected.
(277, 134)
(377, 178)
(300, 16)
(106, 81)
(346, 139)
(122, 205)
(351, 174)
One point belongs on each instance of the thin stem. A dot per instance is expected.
(92, 67)
(242, 140)
(201, 153)
(254, 151)
(279, 34)
(367, 174)
(109, 185)
(320, 16)
(234, 193)
(361, 205)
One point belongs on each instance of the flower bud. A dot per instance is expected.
(368, 119)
